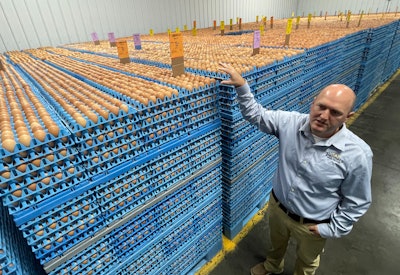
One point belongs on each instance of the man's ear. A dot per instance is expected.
(350, 115)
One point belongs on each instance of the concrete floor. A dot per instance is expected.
(373, 246)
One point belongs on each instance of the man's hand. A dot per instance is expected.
(314, 229)
(236, 79)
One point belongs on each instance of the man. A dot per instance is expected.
(323, 182)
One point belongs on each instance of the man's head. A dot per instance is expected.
(330, 109)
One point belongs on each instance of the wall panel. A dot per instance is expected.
(35, 23)
(355, 6)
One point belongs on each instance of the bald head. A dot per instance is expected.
(340, 93)
(330, 109)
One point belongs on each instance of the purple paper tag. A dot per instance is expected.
(136, 40)
(256, 39)
(95, 37)
(111, 37)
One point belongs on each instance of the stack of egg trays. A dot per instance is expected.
(190, 100)
(40, 170)
(180, 221)
(163, 121)
(289, 70)
(205, 149)
(353, 49)
(247, 193)
(393, 62)
(103, 144)
(58, 227)
(238, 160)
(135, 240)
(153, 175)
(323, 54)
(322, 65)
(6, 265)
(205, 93)
(15, 255)
(375, 56)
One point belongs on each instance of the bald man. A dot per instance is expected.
(323, 182)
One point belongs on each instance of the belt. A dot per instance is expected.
(294, 216)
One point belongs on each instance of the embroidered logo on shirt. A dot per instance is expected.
(334, 156)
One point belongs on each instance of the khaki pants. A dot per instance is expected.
(309, 245)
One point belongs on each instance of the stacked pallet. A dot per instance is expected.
(147, 166)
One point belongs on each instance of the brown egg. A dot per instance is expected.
(46, 180)
(93, 117)
(25, 139)
(75, 213)
(40, 232)
(8, 144)
(54, 130)
(124, 107)
(50, 157)
(32, 187)
(81, 121)
(17, 193)
(40, 135)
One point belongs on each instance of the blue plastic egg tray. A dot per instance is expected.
(145, 181)
(32, 191)
(98, 257)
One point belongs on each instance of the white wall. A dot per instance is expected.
(355, 6)
(34, 23)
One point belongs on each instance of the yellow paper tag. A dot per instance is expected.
(151, 32)
(289, 26)
(222, 25)
(348, 16)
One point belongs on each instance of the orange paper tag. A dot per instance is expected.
(122, 47)
(176, 44)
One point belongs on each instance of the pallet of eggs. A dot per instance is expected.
(170, 234)
(114, 137)
(37, 158)
(393, 62)
(376, 54)
(352, 54)
(322, 65)
(15, 255)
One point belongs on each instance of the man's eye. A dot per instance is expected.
(335, 113)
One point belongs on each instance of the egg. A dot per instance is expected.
(54, 130)
(25, 139)
(32, 187)
(17, 193)
(8, 144)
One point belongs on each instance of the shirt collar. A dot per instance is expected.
(338, 140)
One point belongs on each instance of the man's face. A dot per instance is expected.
(329, 110)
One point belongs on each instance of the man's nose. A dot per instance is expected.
(325, 114)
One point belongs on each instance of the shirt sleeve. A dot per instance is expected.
(265, 120)
(356, 198)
